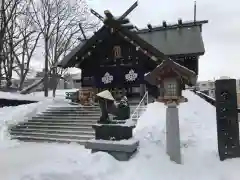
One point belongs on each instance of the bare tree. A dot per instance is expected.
(7, 51)
(58, 21)
(66, 36)
(26, 46)
(8, 12)
(19, 44)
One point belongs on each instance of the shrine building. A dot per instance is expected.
(117, 58)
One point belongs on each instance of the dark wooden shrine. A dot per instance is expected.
(118, 55)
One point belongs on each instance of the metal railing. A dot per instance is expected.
(209, 99)
(140, 108)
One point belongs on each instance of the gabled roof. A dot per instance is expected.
(160, 41)
(176, 39)
(70, 59)
(180, 41)
(72, 54)
(186, 74)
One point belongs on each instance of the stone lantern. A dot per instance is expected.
(171, 78)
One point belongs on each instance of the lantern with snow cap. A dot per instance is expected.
(171, 78)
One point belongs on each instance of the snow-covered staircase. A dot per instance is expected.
(63, 123)
(59, 124)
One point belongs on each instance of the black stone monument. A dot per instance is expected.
(227, 118)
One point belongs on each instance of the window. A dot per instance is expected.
(117, 52)
(171, 89)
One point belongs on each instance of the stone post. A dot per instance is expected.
(173, 134)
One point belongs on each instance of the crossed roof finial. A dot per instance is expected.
(109, 14)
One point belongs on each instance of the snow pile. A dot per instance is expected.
(35, 96)
(73, 162)
(18, 96)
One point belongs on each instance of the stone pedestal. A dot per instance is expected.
(114, 139)
(113, 131)
(120, 150)
(173, 134)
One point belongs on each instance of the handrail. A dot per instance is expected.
(209, 99)
(135, 112)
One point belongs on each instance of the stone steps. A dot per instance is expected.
(63, 123)
(79, 124)
(49, 140)
(72, 111)
(62, 113)
(50, 131)
(66, 117)
(76, 121)
(54, 135)
(54, 127)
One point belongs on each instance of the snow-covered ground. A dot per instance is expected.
(18, 96)
(35, 96)
(29, 161)
(60, 93)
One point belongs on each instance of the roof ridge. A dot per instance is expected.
(184, 24)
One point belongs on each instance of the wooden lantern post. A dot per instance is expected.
(171, 78)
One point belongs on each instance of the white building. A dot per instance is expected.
(207, 87)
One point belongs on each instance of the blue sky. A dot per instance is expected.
(221, 35)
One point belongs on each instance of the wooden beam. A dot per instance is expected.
(137, 46)
(97, 15)
(129, 10)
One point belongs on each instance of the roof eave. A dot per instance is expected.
(70, 60)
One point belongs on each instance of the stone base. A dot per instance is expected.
(113, 131)
(120, 150)
(118, 121)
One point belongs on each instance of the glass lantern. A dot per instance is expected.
(171, 87)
